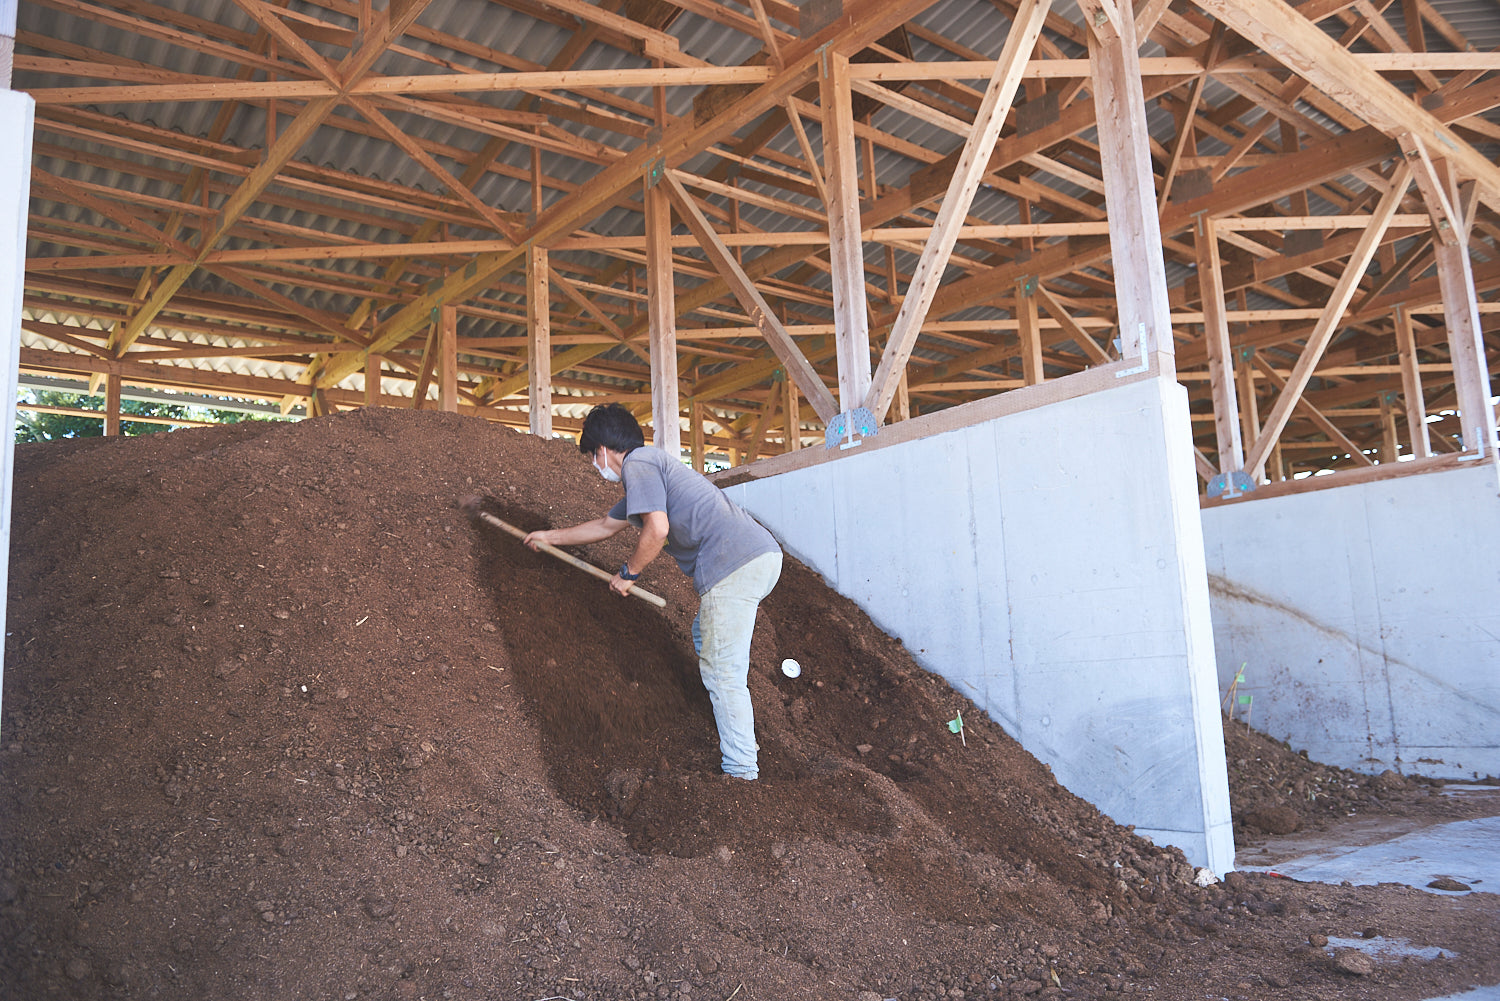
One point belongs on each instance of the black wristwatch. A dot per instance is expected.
(625, 573)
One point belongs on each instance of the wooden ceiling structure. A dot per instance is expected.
(759, 216)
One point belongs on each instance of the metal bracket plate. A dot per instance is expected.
(1230, 485)
(849, 428)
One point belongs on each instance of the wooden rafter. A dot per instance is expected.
(183, 234)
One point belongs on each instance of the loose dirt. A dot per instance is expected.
(281, 722)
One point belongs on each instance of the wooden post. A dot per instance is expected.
(1471, 376)
(1328, 427)
(661, 306)
(734, 223)
(372, 380)
(448, 359)
(793, 416)
(763, 424)
(695, 432)
(1390, 443)
(1129, 184)
(539, 331)
(1411, 386)
(429, 365)
(846, 251)
(112, 406)
(1249, 403)
(1220, 358)
(666, 420)
(536, 182)
(1029, 331)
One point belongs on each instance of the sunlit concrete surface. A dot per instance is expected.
(1466, 850)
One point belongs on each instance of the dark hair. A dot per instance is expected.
(612, 426)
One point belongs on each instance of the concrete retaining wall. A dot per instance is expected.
(1049, 564)
(1367, 618)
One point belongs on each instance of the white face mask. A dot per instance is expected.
(606, 472)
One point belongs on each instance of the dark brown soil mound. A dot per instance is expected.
(1274, 789)
(280, 722)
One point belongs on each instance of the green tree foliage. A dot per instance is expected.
(32, 426)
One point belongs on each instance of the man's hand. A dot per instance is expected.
(620, 585)
(533, 538)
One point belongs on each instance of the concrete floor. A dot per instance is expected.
(1467, 851)
(1385, 850)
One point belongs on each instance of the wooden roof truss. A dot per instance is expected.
(759, 216)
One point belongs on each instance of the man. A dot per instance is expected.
(733, 561)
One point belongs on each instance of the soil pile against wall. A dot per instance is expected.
(280, 722)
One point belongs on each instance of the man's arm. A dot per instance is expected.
(578, 535)
(654, 528)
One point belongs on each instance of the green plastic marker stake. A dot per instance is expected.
(956, 725)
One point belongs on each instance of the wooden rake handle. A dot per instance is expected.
(583, 565)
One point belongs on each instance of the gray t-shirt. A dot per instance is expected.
(709, 536)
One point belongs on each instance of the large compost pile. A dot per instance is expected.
(281, 722)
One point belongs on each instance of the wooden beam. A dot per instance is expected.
(1411, 385)
(1446, 225)
(481, 208)
(389, 26)
(1317, 416)
(1248, 400)
(1306, 50)
(1070, 326)
(1029, 333)
(193, 88)
(424, 371)
(1390, 442)
(695, 432)
(1186, 141)
(970, 169)
(1206, 470)
(793, 410)
(1231, 447)
(750, 299)
(863, 22)
(795, 118)
(1327, 325)
(762, 425)
(423, 84)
